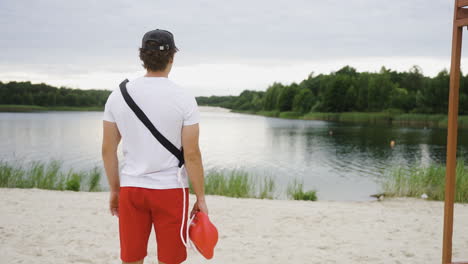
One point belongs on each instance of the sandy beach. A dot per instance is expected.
(40, 226)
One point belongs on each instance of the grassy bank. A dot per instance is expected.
(36, 108)
(48, 176)
(51, 176)
(416, 181)
(353, 117)
(390, 118)
(240, 184)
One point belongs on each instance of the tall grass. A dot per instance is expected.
(21, 108)
(296, 191)
(428, 120)
(267, 188)
(48, 176)
(51, 176)
(381, 117)
(357, 117)
(269, 113)
(390, 116)
(322, 116)
(415, 181)
(239, 184)
(290, 115)
(93, 180)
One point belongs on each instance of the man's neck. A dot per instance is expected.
(157, 74)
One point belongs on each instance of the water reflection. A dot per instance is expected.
(346, 164)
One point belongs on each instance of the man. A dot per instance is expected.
(147, 192)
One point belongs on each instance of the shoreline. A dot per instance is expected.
(38, 109)
(382, 118)
(400, 230)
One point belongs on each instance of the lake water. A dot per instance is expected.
(345, 164)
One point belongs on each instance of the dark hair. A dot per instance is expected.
(155, 59)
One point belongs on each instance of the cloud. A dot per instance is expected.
(222, 79)
(254, 42)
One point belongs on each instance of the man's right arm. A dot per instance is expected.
(194, 166)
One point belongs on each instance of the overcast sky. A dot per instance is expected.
(225, 46)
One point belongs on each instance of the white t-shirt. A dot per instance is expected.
(168, 106)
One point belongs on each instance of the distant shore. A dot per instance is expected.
(397, 119)
(42, 226)
(37, 108)
(389, 118)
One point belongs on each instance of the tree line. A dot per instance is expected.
(347, 90)
(26, 93)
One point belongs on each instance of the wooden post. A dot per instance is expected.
(459, 20)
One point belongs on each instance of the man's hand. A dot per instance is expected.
(199, 206)
(114, 203)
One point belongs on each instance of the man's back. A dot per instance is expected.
(146, 191)
(169, 107)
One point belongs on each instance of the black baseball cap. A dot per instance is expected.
(163, 37)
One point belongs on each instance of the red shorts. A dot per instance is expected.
(139, 209)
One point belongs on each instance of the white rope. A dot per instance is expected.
(187, 243)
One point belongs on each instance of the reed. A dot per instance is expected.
(430, 180)
(373, 118)
(48, 176)
(239, 184)
(290, 115)
(21, 108)
(94, 179)
(269, 113)
(296, 191)
(388, 117)
(51, 176)
(427, 120)
(322, 116)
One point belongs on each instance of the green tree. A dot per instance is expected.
(433, 96)
(379, 90)
(286, 97)
(334, 98)
(271, 96)
(303, 101)
(399, 98)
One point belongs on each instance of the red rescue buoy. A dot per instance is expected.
(203, 234)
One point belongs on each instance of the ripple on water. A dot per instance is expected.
(344, 165)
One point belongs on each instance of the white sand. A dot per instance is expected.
(39, 226)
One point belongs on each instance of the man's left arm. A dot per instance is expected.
(110, 142)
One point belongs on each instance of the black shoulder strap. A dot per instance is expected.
(179, 153)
